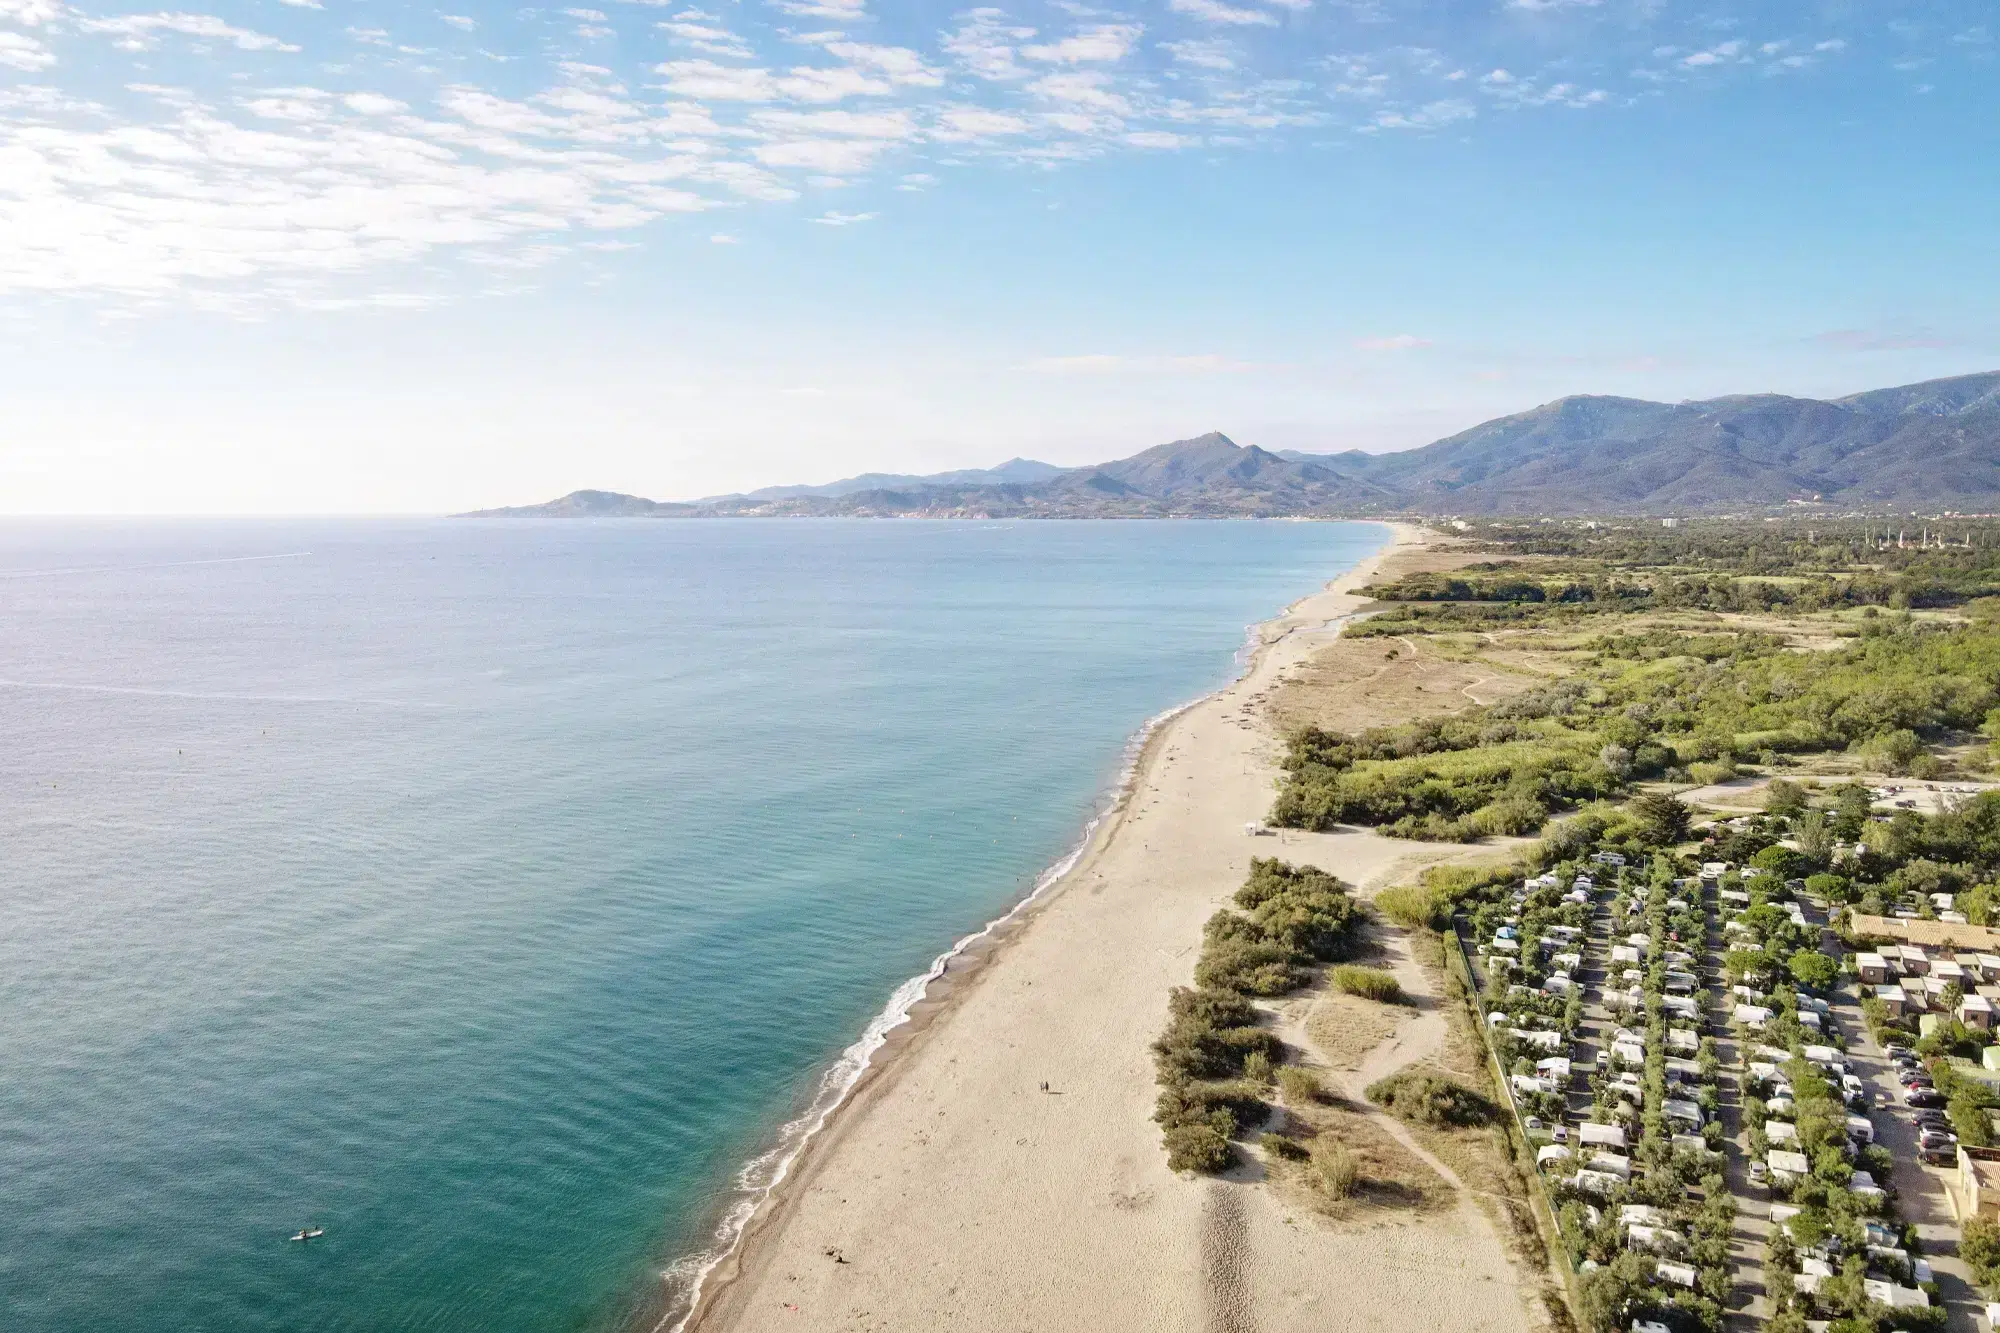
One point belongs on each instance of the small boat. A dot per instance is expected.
(309, 1233)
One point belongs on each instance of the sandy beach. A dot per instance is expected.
(953, 1192)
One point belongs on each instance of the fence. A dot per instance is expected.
(1543, 1207)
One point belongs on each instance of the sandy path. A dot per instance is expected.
(1417, 1038)
(962, 1197)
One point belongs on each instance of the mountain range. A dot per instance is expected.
(1924, 447)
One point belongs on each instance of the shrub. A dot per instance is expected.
(1786, 799)
(1257, 1067)
(1198, 1148)
(1897, 751)
(1512, 817)
(1334, 1169)
(1411, 906)
(1212, 1034)
(1290, 1149)
(1299, 1087)
(1427, 1097)
(1254, 968)
(1370, 983)
(1227, 1107)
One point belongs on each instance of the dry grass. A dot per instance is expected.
(1351, 684)
(1489, 1159)
(1387, 1177)
(1344, 1028)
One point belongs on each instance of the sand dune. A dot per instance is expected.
(953, 1193)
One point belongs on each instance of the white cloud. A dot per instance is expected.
(136, 31)
(723, 238)
(1541, 6)
(588, 15)
(1088, 89)
(707, 81)
(898, 64)
(372, 104)
(313, 189)
(844, 219)
(1715, 55)
(838, 157)
(696, 29)
(32, 13)
(1106, 42)
(957, 123)
(460, 21)
(1210, 54)
(20, 51)
(847, 10)
(1159, 139)
(1430, 116)
(1214, 11)
(985, 46)
(1834, 45)
(303, 4)
(892, 125)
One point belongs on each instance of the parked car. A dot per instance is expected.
(1922, 1097)
(1759, 1173)
(1938, 1156)
(1937, 1138)
(1931, 1119)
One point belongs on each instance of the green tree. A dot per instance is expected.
(1663, 820)
(1815, 832)
(1604, 1293)
(1780, 861)
(1979, 1246)
(1814, 971)
(1784, 799)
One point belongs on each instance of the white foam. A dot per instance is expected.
(765, 1172)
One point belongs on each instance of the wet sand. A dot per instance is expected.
(954, 1192)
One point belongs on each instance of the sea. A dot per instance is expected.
(506, 899)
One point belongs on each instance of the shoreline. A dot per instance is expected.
(771, 1181)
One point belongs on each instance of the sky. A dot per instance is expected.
(321, 256)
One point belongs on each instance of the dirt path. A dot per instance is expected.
(1416, 1039)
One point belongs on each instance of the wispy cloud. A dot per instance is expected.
(1393, 342)
(1215, 11)
(287, 173)
(136, 32)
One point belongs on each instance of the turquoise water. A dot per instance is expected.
(486, 893)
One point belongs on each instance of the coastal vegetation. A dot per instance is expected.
(1371, 983)
(1656, 656)
(1215, 1060)
(1427, 1097)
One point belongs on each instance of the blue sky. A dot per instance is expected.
(308, 255)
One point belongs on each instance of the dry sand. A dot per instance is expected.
(952, 1193)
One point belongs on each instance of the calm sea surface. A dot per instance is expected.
(485, 893)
